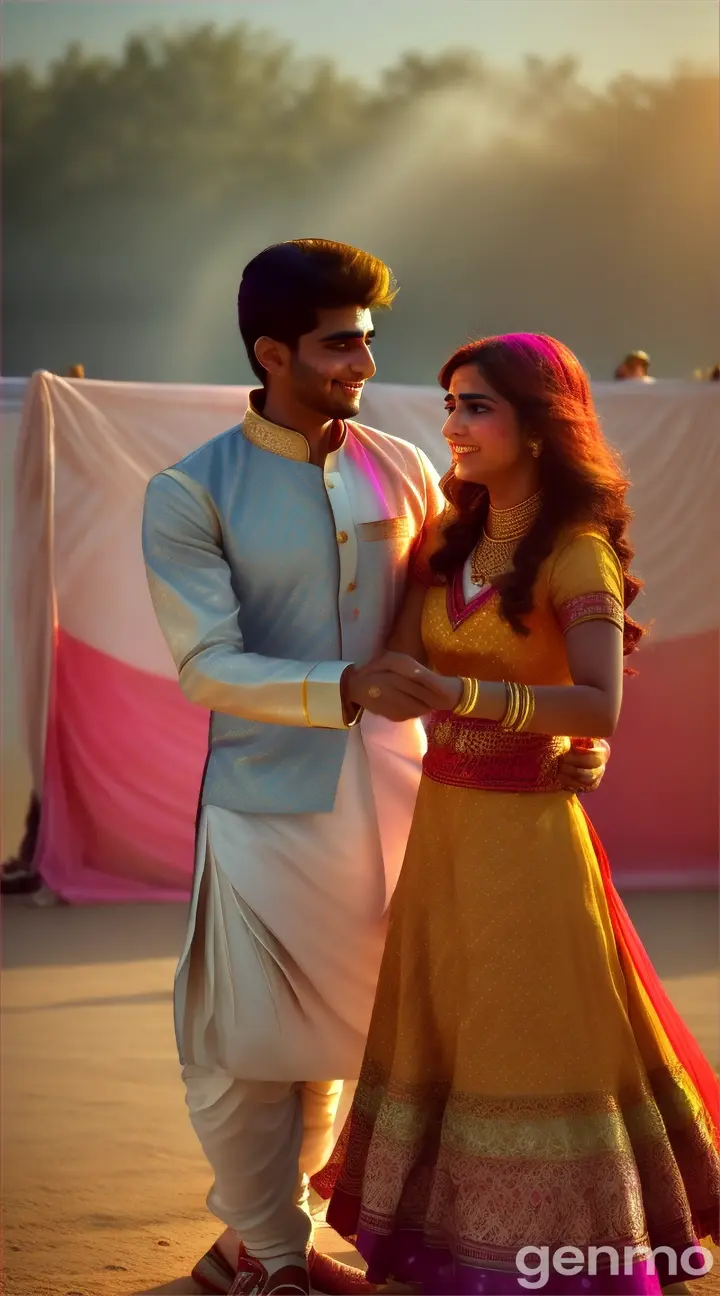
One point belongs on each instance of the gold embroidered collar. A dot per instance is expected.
(276, 440)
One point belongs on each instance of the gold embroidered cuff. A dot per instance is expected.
(321, 697)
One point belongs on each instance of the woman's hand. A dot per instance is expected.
(399, 688)
(582, 768)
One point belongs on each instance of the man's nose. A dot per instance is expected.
(364, 364)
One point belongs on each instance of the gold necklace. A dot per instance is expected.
(493, 554)
(513, 523)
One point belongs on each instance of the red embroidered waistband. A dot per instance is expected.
(479, 754)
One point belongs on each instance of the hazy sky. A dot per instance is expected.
(609, 36)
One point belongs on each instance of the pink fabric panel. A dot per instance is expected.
(123, 765)
(657, 812)
(125, 755)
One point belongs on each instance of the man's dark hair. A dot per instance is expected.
(283, 288)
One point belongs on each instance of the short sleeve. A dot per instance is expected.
(430, 538)
(586, 583)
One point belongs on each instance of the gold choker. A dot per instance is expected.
(512, 523)
(493, 555)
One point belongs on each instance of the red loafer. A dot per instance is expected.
(213, 1273)
(252, 1279)
(329, 1276)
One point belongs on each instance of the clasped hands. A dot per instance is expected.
(395, 686)
(399, 688)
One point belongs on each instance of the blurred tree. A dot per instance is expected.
(134, 188)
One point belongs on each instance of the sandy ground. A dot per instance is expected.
(103, 1182)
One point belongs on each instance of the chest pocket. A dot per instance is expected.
(384, 548)
(397, 528)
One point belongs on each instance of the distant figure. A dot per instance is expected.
(18, 875)
(714, 375)
(636, 367)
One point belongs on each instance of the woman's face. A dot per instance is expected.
(482, 429)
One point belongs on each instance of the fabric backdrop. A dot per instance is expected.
(117, 753)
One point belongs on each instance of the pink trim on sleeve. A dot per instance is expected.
(591, 607)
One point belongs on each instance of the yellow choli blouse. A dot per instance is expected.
(581, 580)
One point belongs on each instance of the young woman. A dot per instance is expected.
(526, 1081)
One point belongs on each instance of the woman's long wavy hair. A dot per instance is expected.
(580, 476)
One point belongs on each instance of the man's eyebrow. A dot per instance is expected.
(347, 335)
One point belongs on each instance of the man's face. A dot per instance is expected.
(331, 365)
(635, 367)
(636, 370)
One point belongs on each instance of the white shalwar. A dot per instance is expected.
(276, 983)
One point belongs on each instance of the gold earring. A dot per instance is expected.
(534, 447)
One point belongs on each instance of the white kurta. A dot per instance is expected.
(288, 918)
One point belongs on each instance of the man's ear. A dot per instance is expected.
(273, 356)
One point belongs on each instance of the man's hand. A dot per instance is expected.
(582, 769)
(396, 687)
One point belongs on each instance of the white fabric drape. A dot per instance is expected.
(86, 449)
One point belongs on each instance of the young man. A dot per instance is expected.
(278, 554)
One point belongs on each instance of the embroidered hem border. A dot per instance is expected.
(641, 1168)
(406, 1257)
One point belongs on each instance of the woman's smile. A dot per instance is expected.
(463, 449)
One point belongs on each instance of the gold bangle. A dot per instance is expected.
(529, 710)
(523, 707)
(509, 705)
(460, 707)
(513, 706)
(468, 698)
(473, 699)
(517, 689)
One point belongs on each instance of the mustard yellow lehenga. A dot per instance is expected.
(526, 1082)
